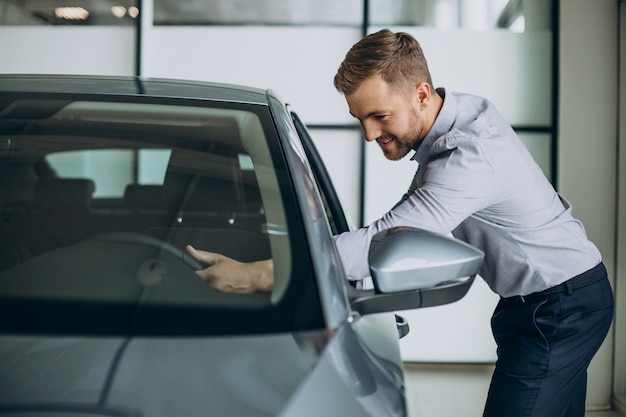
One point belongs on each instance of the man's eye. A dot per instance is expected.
(381, 116)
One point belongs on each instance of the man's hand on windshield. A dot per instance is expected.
(228, 275)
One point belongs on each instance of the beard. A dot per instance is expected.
(396, 147)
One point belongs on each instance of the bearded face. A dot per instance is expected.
(395, 119)
(396, 147)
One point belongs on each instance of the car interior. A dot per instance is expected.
(141, 175)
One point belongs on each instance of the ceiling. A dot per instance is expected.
(449, 13)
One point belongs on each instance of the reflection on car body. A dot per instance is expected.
(104, 180)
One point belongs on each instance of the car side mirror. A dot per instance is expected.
(413, 268)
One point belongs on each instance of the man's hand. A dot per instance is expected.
(228, 275)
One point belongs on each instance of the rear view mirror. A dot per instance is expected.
(413, 268)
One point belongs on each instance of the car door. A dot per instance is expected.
(338, 221)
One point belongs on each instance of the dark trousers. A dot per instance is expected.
(545, 344)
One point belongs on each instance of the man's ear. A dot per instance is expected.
(422, 93)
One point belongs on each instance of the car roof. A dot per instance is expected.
(131, 86)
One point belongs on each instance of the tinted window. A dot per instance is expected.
(99, 199)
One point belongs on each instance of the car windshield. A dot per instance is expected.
(99, 197)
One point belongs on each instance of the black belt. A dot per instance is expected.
(595, 274)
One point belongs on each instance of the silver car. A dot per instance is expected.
(105, 180)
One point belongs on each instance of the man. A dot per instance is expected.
(476, 180)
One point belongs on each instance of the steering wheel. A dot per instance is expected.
(151, 242)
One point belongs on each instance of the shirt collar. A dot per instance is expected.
(443, 124)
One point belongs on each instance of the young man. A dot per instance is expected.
(476, 180)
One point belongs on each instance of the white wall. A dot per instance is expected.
(588, 97)
(71, 50)
(299, 63)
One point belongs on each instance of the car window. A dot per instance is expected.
(98, 200)
(143, 166)
(335, 213)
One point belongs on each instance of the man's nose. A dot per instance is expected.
(371, 131)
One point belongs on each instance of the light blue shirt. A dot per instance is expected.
(477, 180)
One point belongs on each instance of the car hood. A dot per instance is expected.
(267, 375)
(152, 376)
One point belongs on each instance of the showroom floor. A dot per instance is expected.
(453, 391)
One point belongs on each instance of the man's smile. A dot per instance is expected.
(384, 141)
